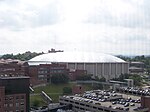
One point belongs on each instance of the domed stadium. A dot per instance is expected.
(97, 64)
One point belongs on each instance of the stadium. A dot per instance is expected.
(96, 64)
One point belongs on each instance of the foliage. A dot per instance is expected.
(137, 79)
(103, 79)
(142, 58)
(24, 57)
(98, 86)
(36, 103)
(122, 77)
(59, 78)
(84, 77)
(67, 90)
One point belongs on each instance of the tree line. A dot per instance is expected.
(23, 57)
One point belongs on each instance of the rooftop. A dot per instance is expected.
(80, 57)
(108, 99)
(20, 77)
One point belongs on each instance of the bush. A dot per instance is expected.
(59, 78)
(67, 90)
(84, 77)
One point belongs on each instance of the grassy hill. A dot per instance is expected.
(54, 91)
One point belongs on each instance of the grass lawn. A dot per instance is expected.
(37, 98)
(54, 91)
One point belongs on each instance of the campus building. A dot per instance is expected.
(136, 67)
(42, 73)
(13, 68)
(14, 94)
(97, 64)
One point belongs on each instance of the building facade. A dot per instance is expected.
(13, 68)
(136, 67)
(42, 73)
(14, 94)
(106, 70)
(96, 64)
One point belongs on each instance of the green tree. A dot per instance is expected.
(84, 77)
(24, 56)
(67, 90)
(103, 79)
(122, 77)
(59, 78)
(137, 79)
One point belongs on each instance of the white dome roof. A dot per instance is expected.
(80, 57)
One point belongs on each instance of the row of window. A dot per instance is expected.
(22, 110)
(11, 104)
(52, 71)
(13, 97)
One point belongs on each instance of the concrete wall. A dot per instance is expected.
(107, 70)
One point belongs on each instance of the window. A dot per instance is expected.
(22, 110)
(17, 104)
(5, 105)
(22, 103)
(22, 97)
(6, 98)
(17, 97)
(11, 98)
(10, 105)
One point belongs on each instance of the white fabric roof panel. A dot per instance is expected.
(79, 57)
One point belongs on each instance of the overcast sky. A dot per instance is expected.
(107, 26)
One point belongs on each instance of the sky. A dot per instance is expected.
(118, 27)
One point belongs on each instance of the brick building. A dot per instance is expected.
(77, 89)
(42, 73)
(14, 94)
(11, 67)
(145, 102)
(74, 74)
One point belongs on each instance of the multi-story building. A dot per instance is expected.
(136, 67)
(145, 102)
(11, 67)
(14, 94)
(42, 73)
(45, 71)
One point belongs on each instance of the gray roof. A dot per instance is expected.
(80, 57)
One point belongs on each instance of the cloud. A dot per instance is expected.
(26, 14)
(115, 27)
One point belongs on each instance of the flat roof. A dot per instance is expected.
(21, 77)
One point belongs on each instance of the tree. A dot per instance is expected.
(103, 79)
(137, 79)
(122, 77)
(59, 78)
(67, 90)
(84, 77)
(24, 56)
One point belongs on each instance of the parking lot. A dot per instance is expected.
(108, 100)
